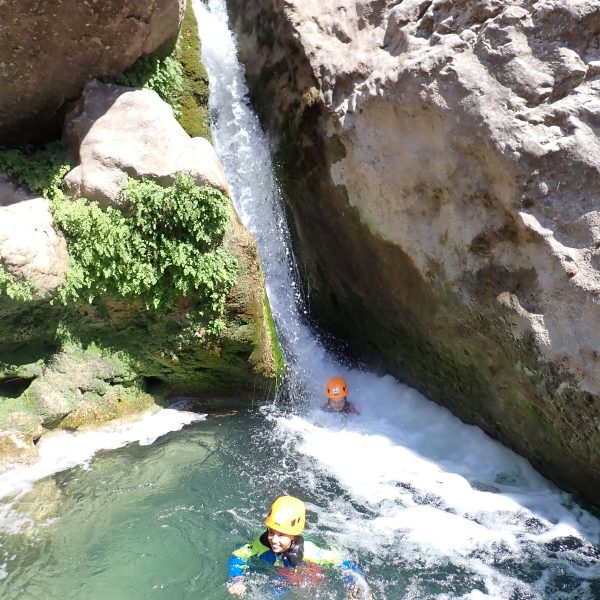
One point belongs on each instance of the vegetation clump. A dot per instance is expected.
(163, 74)
(22, 291)
(41, 169)
(166, 243)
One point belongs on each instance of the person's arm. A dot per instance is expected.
(238, 563)
(352, 576)
(319, 556)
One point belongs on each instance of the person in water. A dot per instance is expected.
(283, 546)
(337, 396)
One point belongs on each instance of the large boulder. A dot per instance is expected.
(31, 250)
(49, 50)
(116, 130)
(443, 172)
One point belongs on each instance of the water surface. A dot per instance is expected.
(430, 507)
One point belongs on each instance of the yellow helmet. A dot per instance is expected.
(337, 387)
(287, 515)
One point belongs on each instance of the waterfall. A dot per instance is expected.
(245, 154)
(420, 489)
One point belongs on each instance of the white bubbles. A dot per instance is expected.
(62, 449)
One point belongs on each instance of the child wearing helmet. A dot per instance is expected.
(281, 545)
(337, 396)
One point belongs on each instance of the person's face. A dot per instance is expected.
(336, 404)
(280, 542)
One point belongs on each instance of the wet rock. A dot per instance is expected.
(39, 505)
(443, 183)
(16, 449)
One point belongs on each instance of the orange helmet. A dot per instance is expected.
(287, 515)
(337, 387)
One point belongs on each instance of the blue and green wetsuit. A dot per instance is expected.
(300, 550)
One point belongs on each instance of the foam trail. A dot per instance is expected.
(64, 449)
(420, 480)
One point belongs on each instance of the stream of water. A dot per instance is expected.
(431, 508)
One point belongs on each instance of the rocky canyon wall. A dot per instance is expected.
(441, 164)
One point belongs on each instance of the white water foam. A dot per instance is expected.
(63, 450)
(428, 483)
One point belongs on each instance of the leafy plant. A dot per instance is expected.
(164, 75)
(40, 169)
(16, 290)
(167, 243)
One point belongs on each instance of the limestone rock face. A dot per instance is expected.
(116, 130)
(49, 50)
(30, 248)
(16, 450)
(444, 161)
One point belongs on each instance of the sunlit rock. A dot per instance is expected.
(117, 130)
(49, 50)
(16, 450)
(30, 247)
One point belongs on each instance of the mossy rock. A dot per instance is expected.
(76, 364)
(193, 102)
(89, 363)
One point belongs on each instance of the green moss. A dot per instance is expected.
(194, 118)
(277, 352)
(193, 98)
(28, 330)
(77, 386)
(19, 414)
(163, 74)
(179, 78)
(118, 402)
(22, 371)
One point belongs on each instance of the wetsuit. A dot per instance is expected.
(300, 550)
(348, 408)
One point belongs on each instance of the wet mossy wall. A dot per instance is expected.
(193, 100)
(80, 363)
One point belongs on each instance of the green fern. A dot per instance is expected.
(22, 291)
(168, 244)
(40, 169)
(164, 75)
